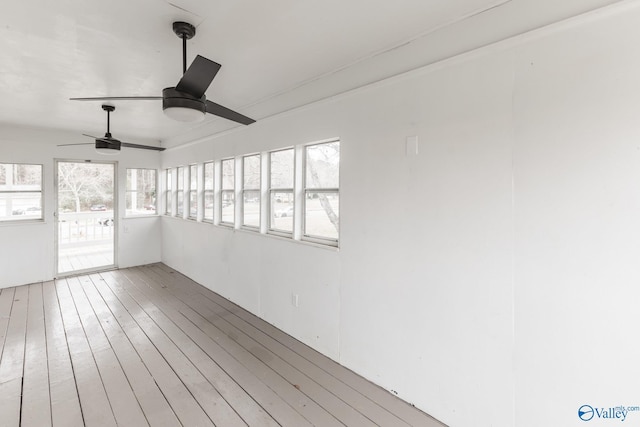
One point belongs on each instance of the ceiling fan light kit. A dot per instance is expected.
(187, 102)
(182, 107)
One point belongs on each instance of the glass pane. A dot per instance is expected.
(321, 216)
(227, 174)
(14, 177)
(85, 187)
(193, 175)
(228, 207)
(208, 204)
(180, 200)
(251, 208)
(281, 211)
(282, 169)
(193, 204)
(141, 192)
(20, 206)
(251, 172)
(180, 178)
(322, 165)
(28, 176)
(208, 176)
(169, 179)
(168, 206)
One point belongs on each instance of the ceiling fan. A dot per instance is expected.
(108, 144)
(187, 101)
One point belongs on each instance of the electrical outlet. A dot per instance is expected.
(295, 300)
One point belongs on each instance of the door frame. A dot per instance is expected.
(116, 221)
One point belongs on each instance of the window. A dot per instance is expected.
(321, 192)
(180, 193)
(20, 191)
(208, 191)
(168, 191)
(141, 192)
(193, 192)
(281, 167)
(251, 191)
(227, 192)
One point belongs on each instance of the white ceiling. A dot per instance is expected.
(276, 55)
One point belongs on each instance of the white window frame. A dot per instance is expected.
(168, 191)
(192, 172)
(231, 191)
(206, 191)
(127, 192)
(179, 192)
(252, 189)
(306, 190)
(271, 190)
(41, 191)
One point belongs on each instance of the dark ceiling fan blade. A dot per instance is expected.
(82, 143)
(144, 147)
(118, 98)
(198, 77)
(90, 136)
(224, 112)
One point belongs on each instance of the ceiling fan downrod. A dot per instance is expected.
(185, 31)
(108, 109)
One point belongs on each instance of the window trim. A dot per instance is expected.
(205, 191)
(168, 191)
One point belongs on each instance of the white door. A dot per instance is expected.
(86, 215)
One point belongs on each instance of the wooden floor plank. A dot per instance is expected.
(125, 406)
(12, 361)
(65, 403)
(154, 404)
(399, 408)
(340, 411)
(149, 346)
(248, 409)
(233, 324)
(288, 391)
(218, 409)
(36, 402)
(96, 408)
(6, 301)
(186, 408)
(250, 396)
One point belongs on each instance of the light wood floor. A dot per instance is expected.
(148, 346)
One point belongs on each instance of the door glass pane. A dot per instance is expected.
(85, 232)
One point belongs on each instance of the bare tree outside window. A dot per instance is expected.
(83, 186)
(322, 183)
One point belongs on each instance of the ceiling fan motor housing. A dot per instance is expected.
(172, 98)
(108, 145)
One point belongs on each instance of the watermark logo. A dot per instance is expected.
(586, 412)
(613, 413)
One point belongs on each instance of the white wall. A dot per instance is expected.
(27, 248)
(491, 280)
